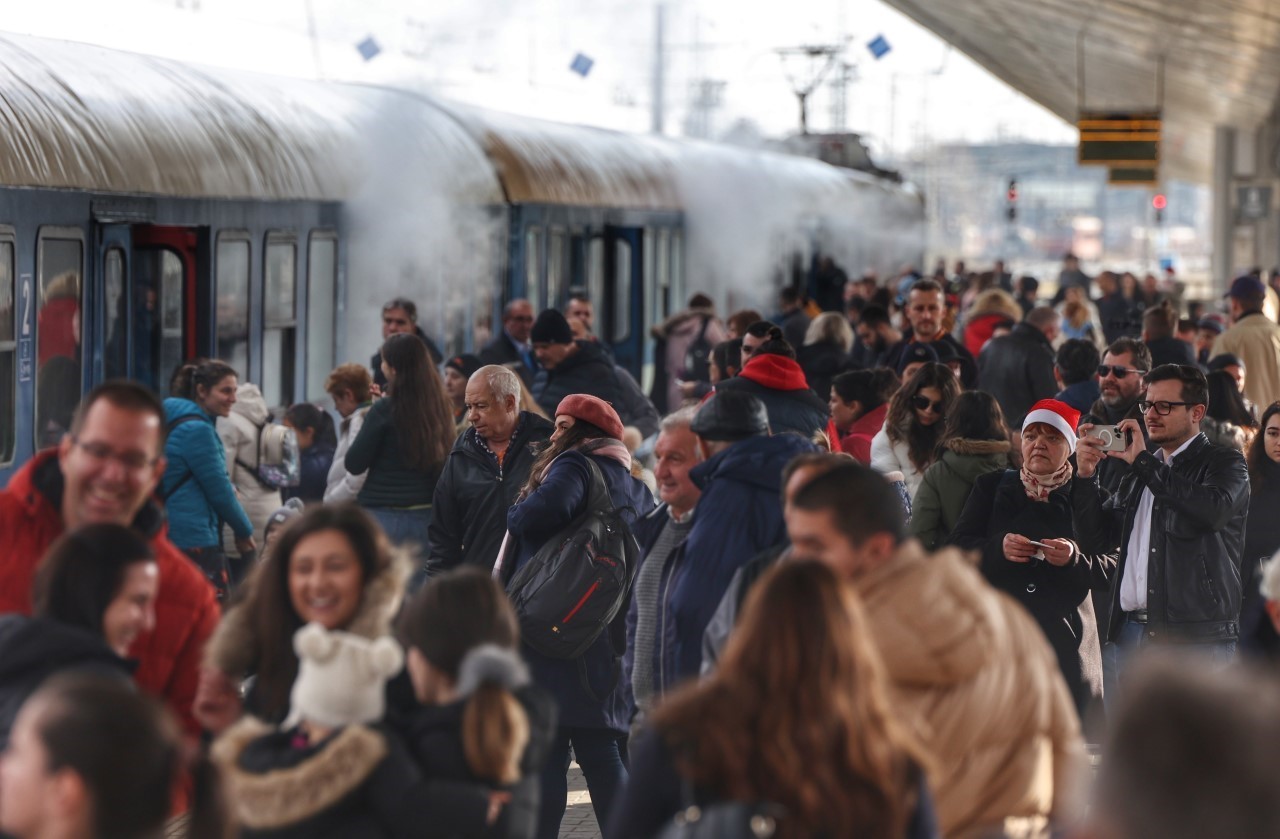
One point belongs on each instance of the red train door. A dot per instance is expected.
(164, 301)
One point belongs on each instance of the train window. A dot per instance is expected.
(159, 303)
(322, 286)
(279, 320)
(679, 294)
(115, 350)
(533, 267)
(9, 331)
(232, 265)
(595, 268)
(557, 265)
(59, 352)
(622, 291)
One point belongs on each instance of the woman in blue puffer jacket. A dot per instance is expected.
(593, 699)
(197, 492)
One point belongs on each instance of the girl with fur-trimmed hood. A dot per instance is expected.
(975, 441)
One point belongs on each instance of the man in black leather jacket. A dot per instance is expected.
(1177, 519)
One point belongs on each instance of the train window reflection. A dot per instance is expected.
(232, 263)
(679, 294)
(9, 330)
(322, 288)
(280, 320)
(158, 306)
(115, 350)
(59, 352)
(621, 290)
(533, 266)
(595, 269)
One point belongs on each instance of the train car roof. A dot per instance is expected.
(78, 116)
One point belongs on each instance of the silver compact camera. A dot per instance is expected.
(1113, 439)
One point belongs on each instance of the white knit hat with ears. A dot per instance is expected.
(1058, 415)
(341, 677)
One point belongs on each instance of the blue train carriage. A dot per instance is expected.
(149, 213)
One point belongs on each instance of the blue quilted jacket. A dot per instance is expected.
(196, 489)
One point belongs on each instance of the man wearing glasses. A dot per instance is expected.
(512, 347)
(1121, 385)
(1177, 519)
(105, 471)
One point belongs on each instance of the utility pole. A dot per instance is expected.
(659, 69)
(840, 95)
(819, 59)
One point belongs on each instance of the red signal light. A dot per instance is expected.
(1159, 202)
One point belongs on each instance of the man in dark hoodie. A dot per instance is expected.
(773, 376)
(570, 366)
(1159, 328)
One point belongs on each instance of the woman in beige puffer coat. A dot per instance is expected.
(240, 433)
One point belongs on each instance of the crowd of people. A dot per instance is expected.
(889, 563)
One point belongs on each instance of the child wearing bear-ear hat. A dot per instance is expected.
(332, 769)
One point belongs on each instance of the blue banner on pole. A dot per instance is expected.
(368, 48)
(582, 65)
(879, 47)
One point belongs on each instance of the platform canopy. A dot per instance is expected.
(1221, 60)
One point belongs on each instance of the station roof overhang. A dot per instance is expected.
(1221, 64)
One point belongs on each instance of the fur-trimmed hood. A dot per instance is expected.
(269, 789)
(961, 445)
(233, 646)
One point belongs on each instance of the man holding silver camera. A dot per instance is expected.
(1177, 519)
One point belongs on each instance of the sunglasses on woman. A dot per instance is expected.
(923, 403)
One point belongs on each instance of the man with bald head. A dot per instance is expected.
(511, 347)
(489, 464)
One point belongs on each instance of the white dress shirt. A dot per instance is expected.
(1133, 586)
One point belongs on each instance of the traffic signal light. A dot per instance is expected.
(1011, 198)
(1159, 202)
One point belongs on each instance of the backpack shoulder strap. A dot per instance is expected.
(598, 493)
(168, 429)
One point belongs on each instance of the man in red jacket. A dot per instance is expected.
(105, 470)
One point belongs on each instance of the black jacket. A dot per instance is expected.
(469, 515)
(1171, 351)
(1017, 369)
(33, 649)
(589, 370)
(1057, 597)
(501, 351)
(392, 482)
(1261, 533)
(358, 782)
(434, 736)
(822, 363)
(1197, 535)
(432, 350)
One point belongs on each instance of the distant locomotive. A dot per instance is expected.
(152, 211)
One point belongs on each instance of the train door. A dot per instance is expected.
(624, 264)
(145, 301)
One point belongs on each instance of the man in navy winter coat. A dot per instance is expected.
(738, 516)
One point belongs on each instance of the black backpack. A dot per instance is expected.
(697, 359)
(569, 592)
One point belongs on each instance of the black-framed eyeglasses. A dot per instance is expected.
(101, 451)
(1117, 371)
(923, 403)
(1162, 407)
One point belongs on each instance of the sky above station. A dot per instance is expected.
(516, 56)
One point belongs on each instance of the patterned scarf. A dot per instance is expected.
(1038, 488)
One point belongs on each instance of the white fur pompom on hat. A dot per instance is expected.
(489, 663)
(341, 677)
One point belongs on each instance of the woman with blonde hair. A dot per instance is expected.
(795, 727)
(825, 354)
(994, 310)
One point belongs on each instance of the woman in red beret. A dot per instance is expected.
(594, 710)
